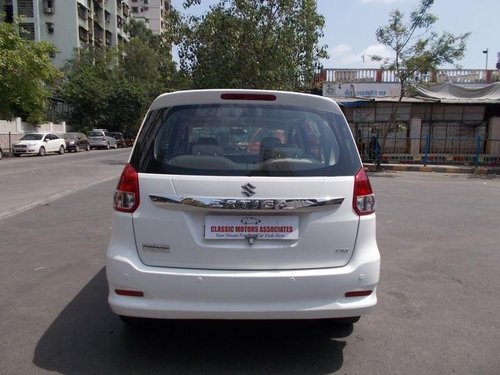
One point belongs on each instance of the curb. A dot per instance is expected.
(370, 167)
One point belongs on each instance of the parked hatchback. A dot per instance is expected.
(204, 228)
(39, 144)
(76, 142)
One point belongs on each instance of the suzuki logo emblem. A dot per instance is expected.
(248, 190)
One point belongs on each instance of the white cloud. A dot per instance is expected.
(343, 56)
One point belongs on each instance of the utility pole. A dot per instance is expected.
(486, 53)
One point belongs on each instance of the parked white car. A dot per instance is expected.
(100, 138)
(39, 143)
(207, 226)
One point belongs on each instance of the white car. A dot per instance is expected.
(206, 226)
(39, 144)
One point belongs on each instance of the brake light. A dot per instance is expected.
(236, 96)
(126, 197)
(364, 199)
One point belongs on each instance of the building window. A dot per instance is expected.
(28, 30)
(82, 34)
(109, 37)
(50, 27)
(135, 10)
(48, 6)
(82, 12)
(25, 8)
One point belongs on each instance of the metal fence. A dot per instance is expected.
(432, 150)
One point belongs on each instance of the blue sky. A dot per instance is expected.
(351, 25)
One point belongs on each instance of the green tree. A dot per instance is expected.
(26, 75)
(267, 44)
(87, 87)
(165, 73)
(417, 51)
(111, 88)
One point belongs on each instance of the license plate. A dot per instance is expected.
(224, 227)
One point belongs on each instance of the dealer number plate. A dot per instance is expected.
(225, 227)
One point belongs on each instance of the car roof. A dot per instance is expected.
(190, 97)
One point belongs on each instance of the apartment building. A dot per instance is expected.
(151, 12)
(70, 24)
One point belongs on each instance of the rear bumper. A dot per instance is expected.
(171, 293)
(189, 294)
(99, 144)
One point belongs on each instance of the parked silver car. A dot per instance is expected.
(100, 138)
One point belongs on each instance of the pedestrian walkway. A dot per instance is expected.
(464, 169)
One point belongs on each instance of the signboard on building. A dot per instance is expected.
(361, 90)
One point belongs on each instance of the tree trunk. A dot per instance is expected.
(388, 128)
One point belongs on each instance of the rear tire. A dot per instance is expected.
(108, 146)
(88, 147)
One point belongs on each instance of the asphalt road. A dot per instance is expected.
(29, 181)
(438, 309)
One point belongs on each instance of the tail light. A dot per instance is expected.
(364, 199)
(126, 197)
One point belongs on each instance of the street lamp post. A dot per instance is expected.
(486, 53)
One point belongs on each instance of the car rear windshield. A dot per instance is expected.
(96, 134)
(245, 140)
